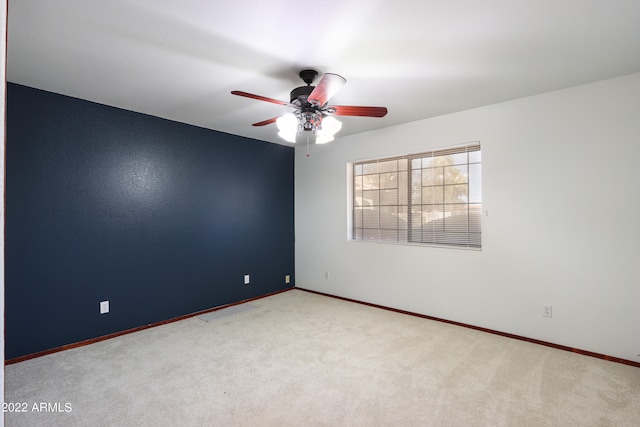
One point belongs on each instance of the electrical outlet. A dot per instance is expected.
(326, 274)
(246, 279)
(287, 279)
(547, 310)
(104, 307)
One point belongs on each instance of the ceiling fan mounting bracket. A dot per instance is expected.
(308, 76)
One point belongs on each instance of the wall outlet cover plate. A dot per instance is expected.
(104, 307)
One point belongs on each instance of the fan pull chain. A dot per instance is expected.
(308, 155)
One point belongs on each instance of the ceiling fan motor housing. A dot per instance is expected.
(301, 94)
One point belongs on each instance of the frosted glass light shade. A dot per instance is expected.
(288, 126)
(330, 126)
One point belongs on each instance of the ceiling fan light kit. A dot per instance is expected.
(311, 110)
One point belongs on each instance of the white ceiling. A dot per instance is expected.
(419, 58)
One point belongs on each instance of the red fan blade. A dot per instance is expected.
(343, 110)
(266, 122)
(328, 86)
(258, 97)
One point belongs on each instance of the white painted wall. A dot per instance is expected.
(562, 189)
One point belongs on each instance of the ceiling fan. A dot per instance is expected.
(311, 112)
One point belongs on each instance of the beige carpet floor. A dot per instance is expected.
(301, 359)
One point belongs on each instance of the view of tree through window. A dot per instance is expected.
(429, 198)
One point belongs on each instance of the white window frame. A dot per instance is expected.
(431, 198)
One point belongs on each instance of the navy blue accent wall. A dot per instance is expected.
(160, 218)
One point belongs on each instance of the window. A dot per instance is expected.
(431, 198)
